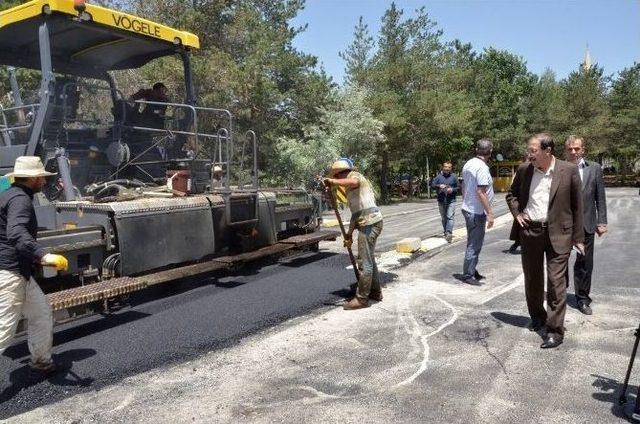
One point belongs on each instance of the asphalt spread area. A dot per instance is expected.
(335, 356)
(434, 350)
(173, 324)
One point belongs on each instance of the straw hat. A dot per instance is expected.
(339, 166)
(29, 166)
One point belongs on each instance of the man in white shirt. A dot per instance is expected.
(545, 198)
(476, 208)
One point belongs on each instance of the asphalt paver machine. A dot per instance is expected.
(140, 198)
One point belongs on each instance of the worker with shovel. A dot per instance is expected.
(367, 218)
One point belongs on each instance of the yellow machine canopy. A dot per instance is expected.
(85, 43)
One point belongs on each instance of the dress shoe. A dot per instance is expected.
(376, 296)
(356, 303)
(478, 276)
(472, 281)
(535, 326)
(585, 309)
(551, 342)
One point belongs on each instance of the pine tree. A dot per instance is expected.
(357, 57)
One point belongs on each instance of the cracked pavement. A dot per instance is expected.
(434, 350)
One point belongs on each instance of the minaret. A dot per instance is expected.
(586, 64)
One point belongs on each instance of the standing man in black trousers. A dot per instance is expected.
(595, 219)
(446, 184)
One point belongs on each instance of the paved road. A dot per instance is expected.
(435, 350)
(185, 321)
(182, 321)
(417, 219)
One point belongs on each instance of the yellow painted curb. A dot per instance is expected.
(408, 245)
(330, 223)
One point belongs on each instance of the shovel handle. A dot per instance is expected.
(334, 205)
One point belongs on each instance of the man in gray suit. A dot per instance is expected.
(595, 218)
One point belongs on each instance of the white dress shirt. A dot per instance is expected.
(539, 192)
(581, 165)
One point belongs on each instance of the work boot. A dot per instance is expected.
(376, 296)
(42, 368)
(356, 303)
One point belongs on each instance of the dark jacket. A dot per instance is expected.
(565, 215)
(595, 201)
(451, 181)
(18, 229)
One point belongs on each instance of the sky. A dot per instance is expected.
(547, 34)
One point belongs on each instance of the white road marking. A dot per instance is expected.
(518, 281)
(424, 339)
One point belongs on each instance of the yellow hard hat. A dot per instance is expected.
(339, 166)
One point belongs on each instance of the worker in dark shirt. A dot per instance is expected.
(152, 114)
(446, 184)
(19, 252)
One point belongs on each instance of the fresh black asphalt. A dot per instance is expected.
(172, 324)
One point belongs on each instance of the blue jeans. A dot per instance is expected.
(447, 210)
(476, 225)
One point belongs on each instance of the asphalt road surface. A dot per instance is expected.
(182, 322)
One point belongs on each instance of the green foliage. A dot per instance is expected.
(247, 64)
(357, 57)
(624, 101)
(502, 83)
(6, 4)
(408, 93)
(347, 128)
(585, 93)
(436, 98)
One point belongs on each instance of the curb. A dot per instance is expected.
(431, 246)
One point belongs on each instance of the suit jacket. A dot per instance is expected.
(565, 215)
(595, 201)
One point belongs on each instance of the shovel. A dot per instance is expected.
(334, 205)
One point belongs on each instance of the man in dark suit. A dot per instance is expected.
(545, 198)
(595, 218)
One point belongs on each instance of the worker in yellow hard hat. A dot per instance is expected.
(19, 252)
(367, 219)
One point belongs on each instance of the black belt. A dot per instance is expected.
(538, 224)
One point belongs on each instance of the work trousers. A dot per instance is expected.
(582, 270)
(536, 245)
(369, 282)
(476, 227)
(447, 211)
(19, 297)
